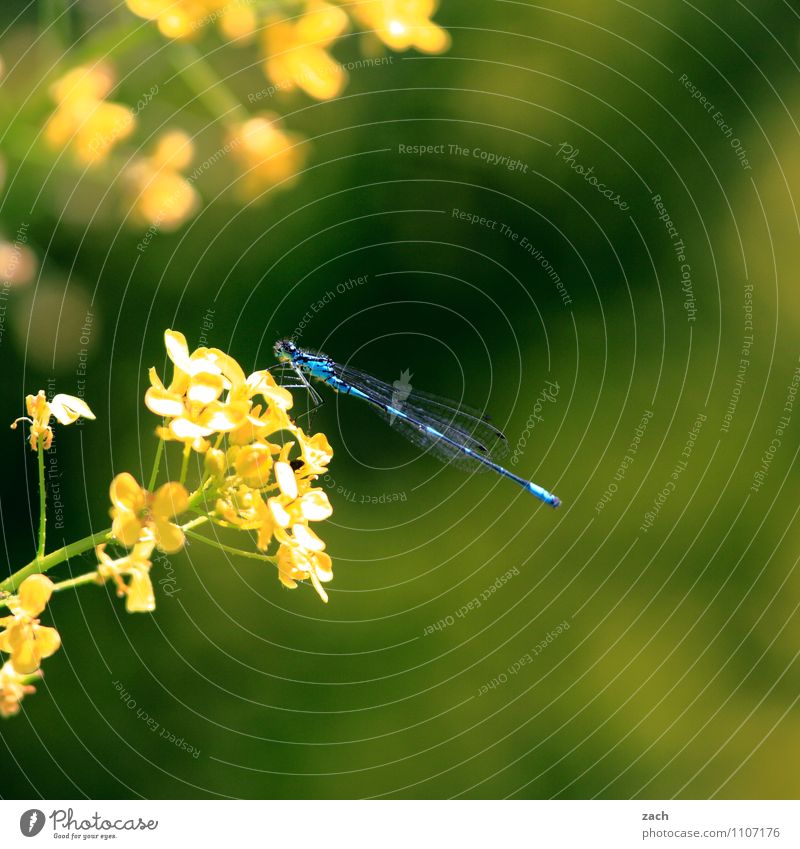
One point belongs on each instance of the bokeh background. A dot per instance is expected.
(678, 673)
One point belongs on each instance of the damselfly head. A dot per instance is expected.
(285, 349)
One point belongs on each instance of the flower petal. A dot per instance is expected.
(125, 492)
(48, 640)
(205, 388)
(126, 527)
(177, 349)
(315, 506)
(169, 537)
(169, 500)
(284, 475)
(279, 512)
(140, 598)
(187, 430)
(323, 566)
(34, 593)
(162, 402)
(305, 537)
(68, 409)
(26, 658)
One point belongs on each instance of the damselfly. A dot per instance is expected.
(445, 428)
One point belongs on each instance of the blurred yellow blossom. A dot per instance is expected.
(141, 516)
(238, 20)
(295, 50)
(401, 24)
(177, 18)
(18, 264)
(267, 154)
(162, 196)
(135, 565)
(13, 688)
(24, 638)
(66, 408)
(83, 119)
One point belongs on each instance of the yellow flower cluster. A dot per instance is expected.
(162, 196)
(259, 471)
(209, 394)
(23, 637)
(84, 119)
(67, 409)
(258, 481)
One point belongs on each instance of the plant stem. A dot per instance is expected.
(156, 465)
(187, 450)
(201, 77)
(200, 520)
(88, 578)
(43, 564)
(55, 20)
(230, 549)
(42, 501)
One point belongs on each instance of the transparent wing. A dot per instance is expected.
(463, 425)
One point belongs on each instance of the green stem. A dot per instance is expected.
(55, 20)
(42, 501)
(43, 564)
(230, 549)
(88, 578)
(156, 464)
(200, 520)
(187, 451)
(203, 80)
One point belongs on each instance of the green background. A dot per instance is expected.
(679, 674)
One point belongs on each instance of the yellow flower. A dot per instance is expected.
(296, 55)
(66, 408)
(83, 118)
(177, 18)
(238, 21)
(296, 563)
(13, 689)
(267, 155)
(316, 452)
(243, 507)
(209, 393)
(135, 565)
(141, 516)
(253, 463)
(24, 638)
(162, 196)
(215, 463)
(401, 24)
(298, 503)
